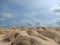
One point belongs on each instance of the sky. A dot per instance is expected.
(29, 13)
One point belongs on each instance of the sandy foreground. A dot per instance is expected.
(3, 43)
(30, 36)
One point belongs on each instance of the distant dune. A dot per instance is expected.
(30, 36)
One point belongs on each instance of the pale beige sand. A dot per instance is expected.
(38, 36)
(2, 42)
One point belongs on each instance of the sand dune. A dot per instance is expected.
(30, 36)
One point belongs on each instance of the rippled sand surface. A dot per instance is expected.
(30, 36)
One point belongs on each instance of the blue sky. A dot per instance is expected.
(29, 13)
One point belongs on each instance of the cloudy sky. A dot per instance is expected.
(29, 13)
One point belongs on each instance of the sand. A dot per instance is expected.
(30, 36)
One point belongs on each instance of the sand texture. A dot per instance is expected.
(30, 36)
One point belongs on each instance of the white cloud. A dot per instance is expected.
(2, 19)
(54, 22)
(55, 9)
(3, 25)
(7, 15)
(26, 23)
(32, 22)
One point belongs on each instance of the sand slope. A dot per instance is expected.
(30, 36)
